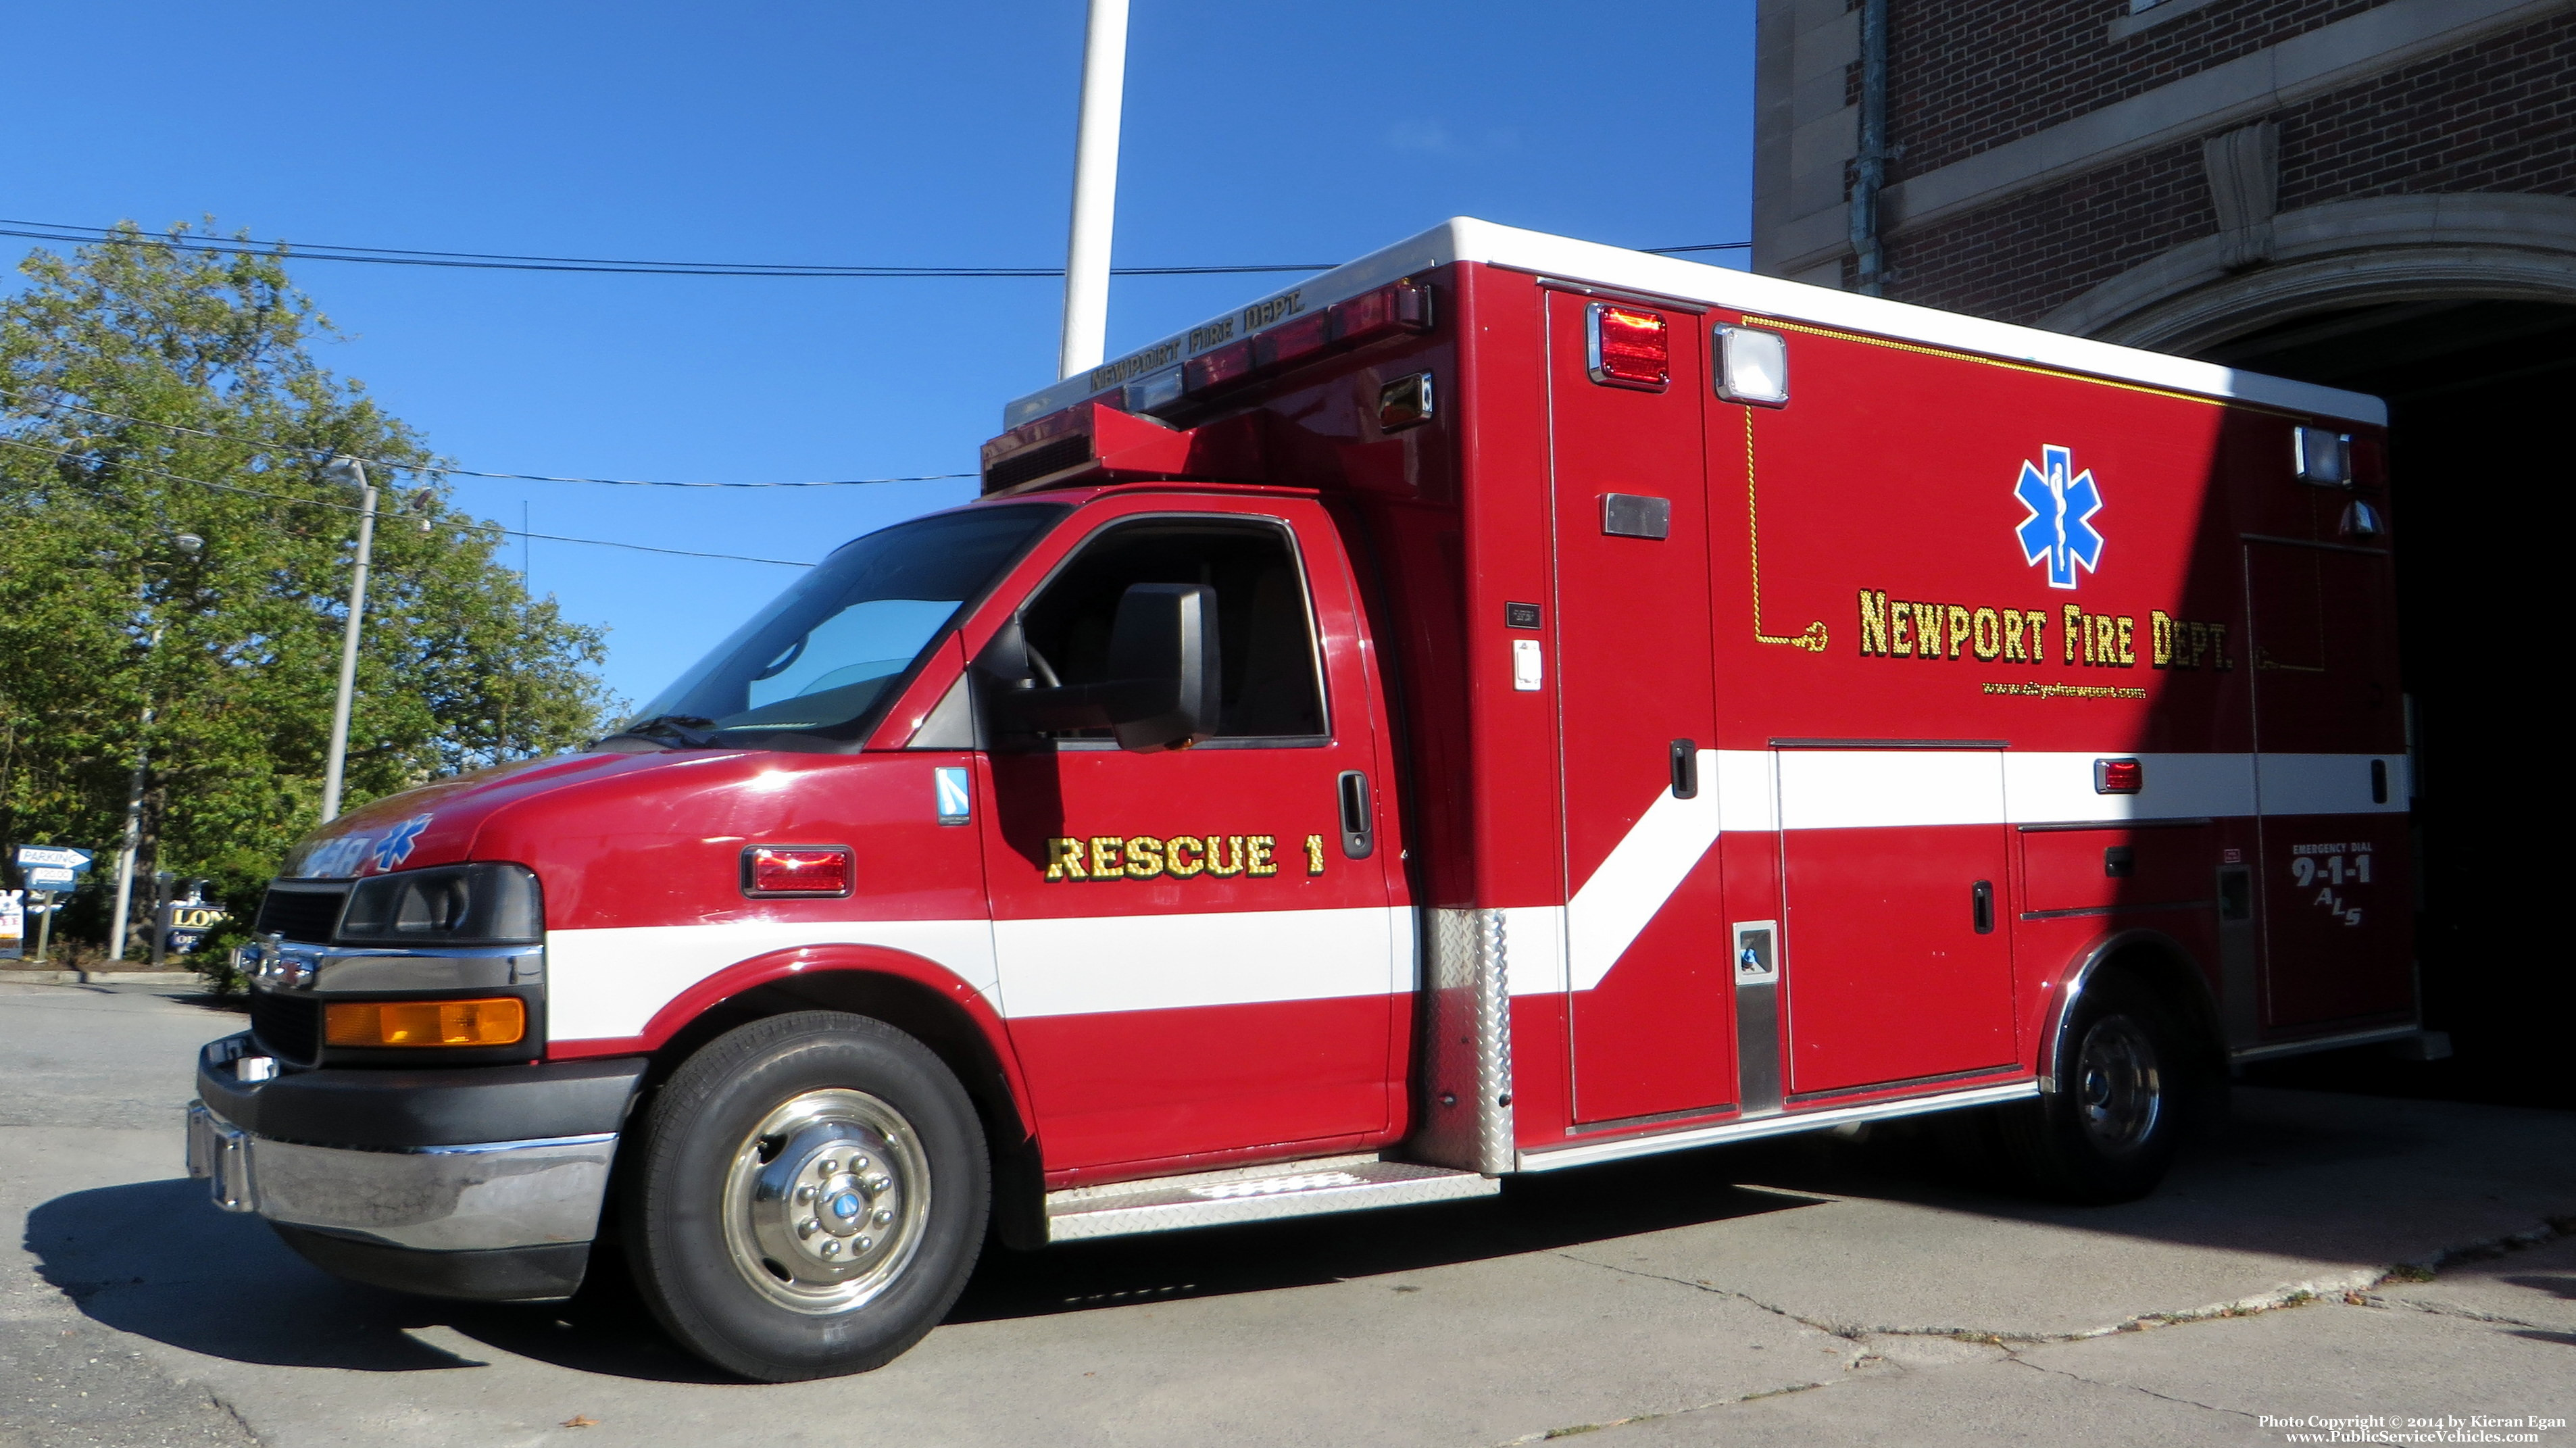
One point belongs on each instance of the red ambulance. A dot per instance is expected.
(1503, 705)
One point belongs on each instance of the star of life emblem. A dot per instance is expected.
(2062, 502)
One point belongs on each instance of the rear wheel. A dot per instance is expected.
(811, 1197)
(2109, 1129)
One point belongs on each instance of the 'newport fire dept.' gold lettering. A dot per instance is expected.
(1176, 857)
(1898, 628)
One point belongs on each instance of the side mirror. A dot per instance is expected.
(1161, 689)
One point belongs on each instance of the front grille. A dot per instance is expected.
(288, 1027)
(302, 910)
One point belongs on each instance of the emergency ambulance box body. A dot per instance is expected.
(1622, 704)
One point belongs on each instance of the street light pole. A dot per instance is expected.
(132, 840)
(1095, 190)
(351, 470)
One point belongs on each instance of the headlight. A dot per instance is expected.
(446, 905)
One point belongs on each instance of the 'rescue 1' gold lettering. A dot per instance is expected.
(1178, 857)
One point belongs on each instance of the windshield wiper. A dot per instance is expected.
(690, 731)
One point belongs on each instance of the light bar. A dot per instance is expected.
(1401, 307)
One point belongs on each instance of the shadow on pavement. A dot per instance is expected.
(2317, 1177)
(156, 1259)
(1534, 1214)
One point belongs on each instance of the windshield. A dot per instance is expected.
(810, 669)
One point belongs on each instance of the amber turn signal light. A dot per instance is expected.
(502, 1021)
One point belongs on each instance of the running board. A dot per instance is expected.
(1254, 1194)
(1782, 1124)
(2437, 1044)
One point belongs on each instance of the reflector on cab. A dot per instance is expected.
(812, 871)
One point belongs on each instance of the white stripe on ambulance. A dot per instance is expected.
(608, 984)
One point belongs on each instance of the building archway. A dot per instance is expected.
(2461, 312)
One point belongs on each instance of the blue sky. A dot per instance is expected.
(1255, 131)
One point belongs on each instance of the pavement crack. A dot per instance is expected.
(1852, 1335)
(223, 1405)
(2451, 1309)
(2353, 1285)
(1576, 1429)
(2134, 1388)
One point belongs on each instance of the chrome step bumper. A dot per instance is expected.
(1254, 1194)
(487, 1195)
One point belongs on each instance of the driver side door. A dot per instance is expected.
(1196, 957)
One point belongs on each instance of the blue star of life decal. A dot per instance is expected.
(395, 848)
(2062, 503)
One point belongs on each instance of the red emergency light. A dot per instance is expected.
(1628, 346)
(1401, 307)
(1116, 437)
(798, 870)
(1097, 442)
(2118, 776)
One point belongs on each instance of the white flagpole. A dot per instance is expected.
(1095, 190)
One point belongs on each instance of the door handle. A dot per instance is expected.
(1357, 839)
(1981, 906)
(1685, 769)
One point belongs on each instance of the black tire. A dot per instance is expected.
(2123, 1093)
(810, 1198)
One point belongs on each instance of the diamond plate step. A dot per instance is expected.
(1254, 1194)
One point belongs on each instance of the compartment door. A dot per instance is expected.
(2325, 711)
(1897, 964)
(1647, 957)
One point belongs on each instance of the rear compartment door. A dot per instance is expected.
(1650, 988)
(2325, 696)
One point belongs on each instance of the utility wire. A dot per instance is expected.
(29, 403)
(499, 261)
(354, 508)
(505, 261)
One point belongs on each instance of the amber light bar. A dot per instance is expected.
(500, 1021)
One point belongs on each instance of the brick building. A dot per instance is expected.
(2375, 194)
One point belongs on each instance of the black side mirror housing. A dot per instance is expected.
(1163, 675)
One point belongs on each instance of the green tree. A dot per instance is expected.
(147, 392)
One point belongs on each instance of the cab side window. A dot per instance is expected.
(1268, 688)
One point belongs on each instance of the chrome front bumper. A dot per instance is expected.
(477, 1197)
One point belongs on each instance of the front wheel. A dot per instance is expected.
(810, 1199)
(2109, 1130)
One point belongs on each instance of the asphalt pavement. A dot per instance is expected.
(2320, 1257)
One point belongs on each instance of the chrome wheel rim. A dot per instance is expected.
(2119, 1092)
(826, 1201)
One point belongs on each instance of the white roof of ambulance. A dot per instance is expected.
(1466, 239)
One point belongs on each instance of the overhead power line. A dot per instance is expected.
(504, 261)
(23, 400)
(354, 508)
(500, 261)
